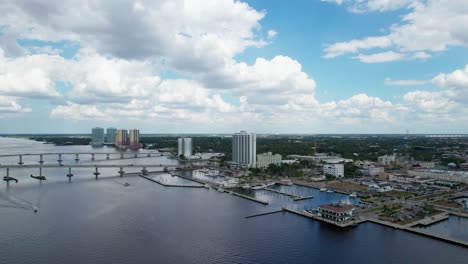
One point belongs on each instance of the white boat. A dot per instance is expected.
(353, 195)
(246, 186)
(259, 187)
(220, 189)
(323, 189)
(270, 184)
(330, 191)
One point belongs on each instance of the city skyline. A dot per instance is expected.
(312, 67)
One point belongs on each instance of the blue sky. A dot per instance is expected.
(334, 66)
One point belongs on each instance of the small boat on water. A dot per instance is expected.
(353, 195)
(330, 191)
(246, 186)
(259, 187)
(323, 189)
(220, 189)
(126, 184)
(286, 182)
(35, 209)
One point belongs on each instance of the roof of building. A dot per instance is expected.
(338, 207)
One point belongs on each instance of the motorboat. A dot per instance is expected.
(246, 186)
(330, 191)
(323, 189)
(353, 195)
(126, 184)
(35, 209)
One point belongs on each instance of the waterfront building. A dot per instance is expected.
(387, 160)
(403, 178)
(134, 139)
(121, 138)
(265, 159)
(184, 147)
(244, 148)
(336, 170)
(321, 158)
(441, 175)
(384, 187)
(97, 136)
(337, 213)
(110, 135)
(371, 170)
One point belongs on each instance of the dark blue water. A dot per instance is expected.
(89, 221)
(455, 227)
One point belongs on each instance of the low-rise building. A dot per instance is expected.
(387, 160)
(265, 159)
(441, 175)
(404, 178)
(338, 213)
(336, 170)
(371, 169)
(384, 187)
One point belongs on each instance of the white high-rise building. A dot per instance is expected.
(97, 137)
(244, 148)
(265, 159)
(134, 139)
(184, 147)
(336, 170)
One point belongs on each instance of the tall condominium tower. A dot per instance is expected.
(110, 135)
(184, 147)
(121, 136)
(244, 148)
(134, 139)
(97, 136)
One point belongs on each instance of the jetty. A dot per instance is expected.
(262, 214)
(171, 185)
(295, 197)
(247, 197)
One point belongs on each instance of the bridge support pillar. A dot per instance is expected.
(96, 174)
(60, 159)
(7, 178)
(144, 171)
(20, 160)
(41, 161)
(69, 175)
(92, 156)
(121, 155)
(77, 157)
(107, 156)
(121, 172)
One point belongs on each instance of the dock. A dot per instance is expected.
(189, 178)
(262, 214)
(419, 232)
(312, 216)
(171, 185)
(295, 197)
(248, 198)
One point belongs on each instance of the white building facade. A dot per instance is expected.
(244, 148)
(388, 160)
(336, 170)
(184, 147)
(265, 159)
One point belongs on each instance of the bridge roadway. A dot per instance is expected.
(86, 153)
(90, 166)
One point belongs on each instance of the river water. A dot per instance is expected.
(103, 221)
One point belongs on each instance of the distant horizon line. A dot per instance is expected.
(225, 133)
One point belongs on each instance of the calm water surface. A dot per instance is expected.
(102, 221)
